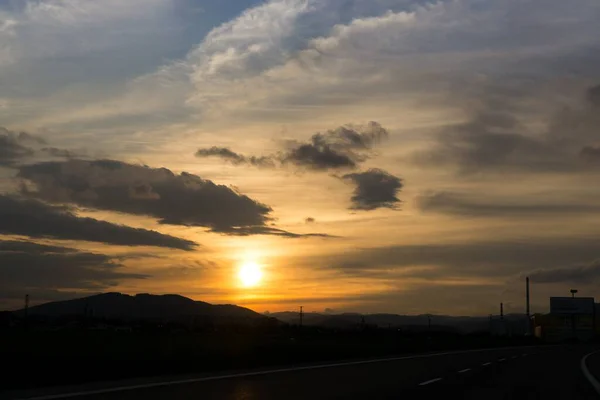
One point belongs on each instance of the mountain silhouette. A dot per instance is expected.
(417, 323)
(141, 307)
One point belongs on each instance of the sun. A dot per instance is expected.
(250, 274)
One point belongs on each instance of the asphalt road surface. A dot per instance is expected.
(546, 372)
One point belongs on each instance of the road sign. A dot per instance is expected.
(572, 305)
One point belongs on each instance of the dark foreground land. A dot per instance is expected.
(524, 372)
(52, 358)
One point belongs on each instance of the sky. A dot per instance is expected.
(364, 155)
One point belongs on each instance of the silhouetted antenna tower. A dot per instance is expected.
(301, 315)
(501, 310)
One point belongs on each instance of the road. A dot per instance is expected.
(545, 372)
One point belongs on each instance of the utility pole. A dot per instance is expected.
(501, 310)
(301, 315)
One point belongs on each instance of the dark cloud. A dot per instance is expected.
(183, 199)
(590, 154)
(593, 95)
(62, 153)
(344, 147)
(25, 137)
(13, 147)
(33, 218)
(266, 230)
(494, 138)
(487, 259)
(461, 205)
(319, 157)
(580, 274)
(310, 220)
(9, 246)
(31, 266)
(491, 141)
(375, 188)
(235, 158)
(341, 148)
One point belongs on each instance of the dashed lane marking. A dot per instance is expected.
(462, 371)
(430, 381)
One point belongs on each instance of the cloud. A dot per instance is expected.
(337, 52)
(266, 230)
(33, 218)
(13, 147)
(36, 30)
(496, 137)
(62, 153)
(18, 147)
(590, 154)
(183, 199)
(235, 158)
(310, 220)
(342, 148)
(375, 188)
(298, 55)
(28, 265)
(593, 95)
(250, 43)
(580, 274)
(483, 259)
(319, 157)
(469, 206)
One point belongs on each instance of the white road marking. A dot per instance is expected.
(486, 364)
(248, 374)
(501, 359)
(586, 372)
(524, 355)
(430, 381)
(462, 371)
(513, 357)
